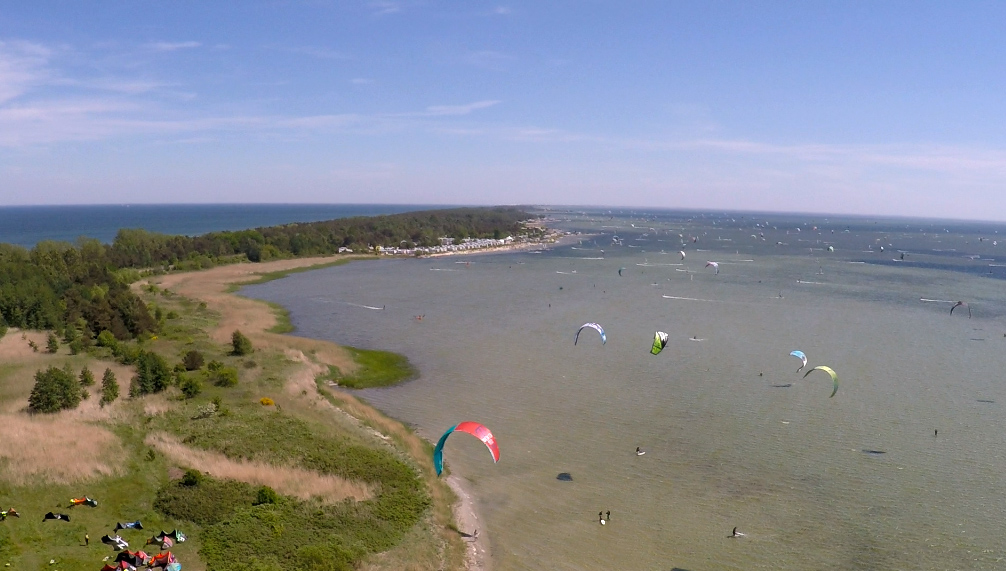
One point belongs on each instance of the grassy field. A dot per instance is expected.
(292, 484)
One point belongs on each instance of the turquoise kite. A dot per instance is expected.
(834, 376)
(799, 355)
(475, 429)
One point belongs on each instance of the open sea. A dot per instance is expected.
(733, 435)
(28, 225)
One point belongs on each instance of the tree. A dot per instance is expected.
(153, 374)
(193, 360)
(86, 377)
(52, 343)
(242, 345)
(109, 388)
(55, 390)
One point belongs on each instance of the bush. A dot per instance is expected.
(33, 345)
(106, 339)
(266, 495)
(266, 401)
(54, 390)
(52, 343)
(76, 347)
(109, 388)
(241, 344)
(193, 361)
(3, 328)
(172, 314)
(191, 386)
(223, 376)
(192, 478)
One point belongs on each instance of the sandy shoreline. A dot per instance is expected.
(466, 517)
(254, 318)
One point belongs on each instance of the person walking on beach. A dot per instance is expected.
(87, 540)
(475, 535)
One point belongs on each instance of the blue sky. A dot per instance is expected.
(891, 108)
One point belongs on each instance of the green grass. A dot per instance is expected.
(283, 324)
(292, 534)
(377, 369)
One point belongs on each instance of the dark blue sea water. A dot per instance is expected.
(28, 225)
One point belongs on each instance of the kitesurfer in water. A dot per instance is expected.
(735, 533)
(639, 452)
(600, 517)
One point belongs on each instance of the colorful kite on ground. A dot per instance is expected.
(164, 542)
(176, 535)
(799, 355)
(475, 429)
(659, 342)
(595, 326)
(11, 512)
(51, 515)
(162, 560)
(129, 525)
(84, 500)
(834, 376)
(958, 304)
(136, 558)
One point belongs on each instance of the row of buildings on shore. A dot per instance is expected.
(447, 245)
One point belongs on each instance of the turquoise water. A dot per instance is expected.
(28, 225)
(727, 445)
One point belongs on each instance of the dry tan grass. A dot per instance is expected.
(297, 482)
(58, 449)
(250, 316)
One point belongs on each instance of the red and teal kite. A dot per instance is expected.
(475, 429)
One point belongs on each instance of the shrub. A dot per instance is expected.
(224, 377)
(52, 343)
(193, 360)
(76, 346)
(55, 389)
(191, 386)
(172, 314)
(106, 339)
(3, 328)
(192, 478)
(241, 344)
(266, 495)
(33, 345)
(109, 388)
(86, 377)
(266, 401)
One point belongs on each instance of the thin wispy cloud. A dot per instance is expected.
(382, 7)
(171, 46)
(501, 10)
(361, 81)
(441, 110)
(23, 65)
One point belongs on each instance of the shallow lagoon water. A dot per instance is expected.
(726, 446)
